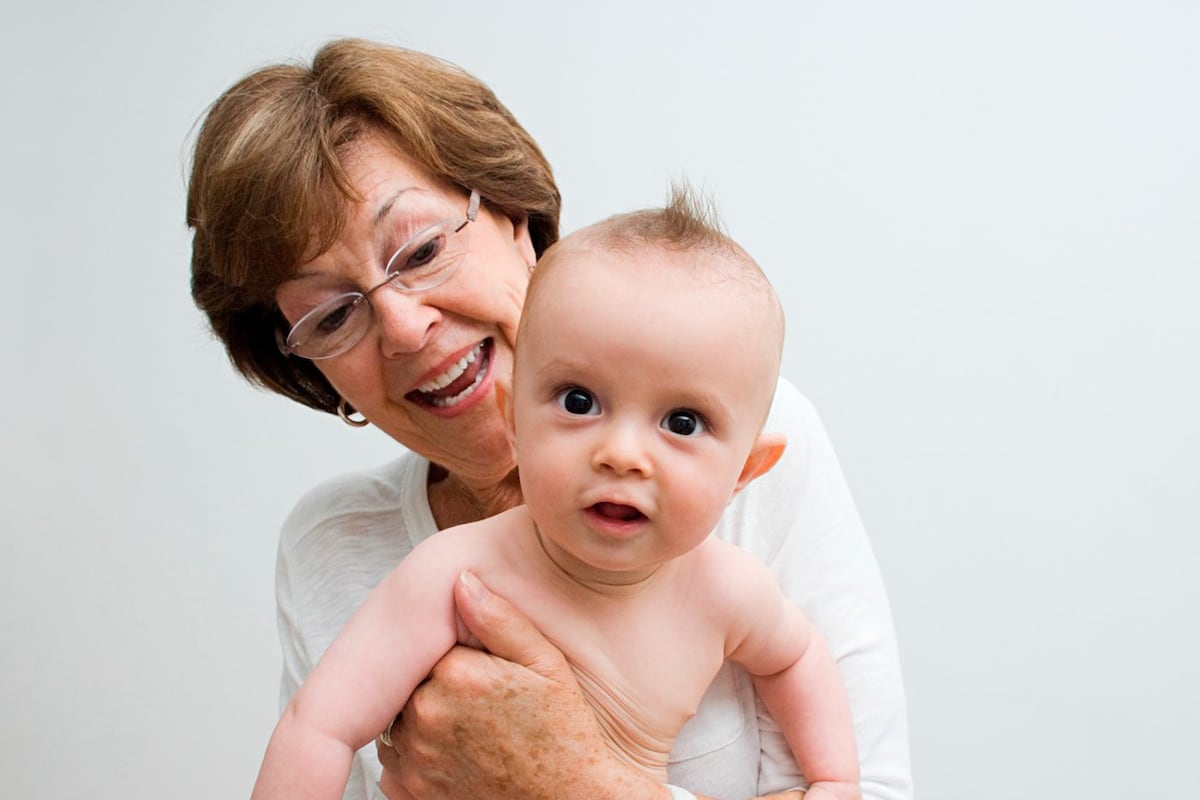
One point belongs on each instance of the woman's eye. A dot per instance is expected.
(578, 401)
(417, 255)
(684, 422)
(335, 319)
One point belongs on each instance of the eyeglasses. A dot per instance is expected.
(423, 262)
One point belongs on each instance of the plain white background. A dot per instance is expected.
(983, 218)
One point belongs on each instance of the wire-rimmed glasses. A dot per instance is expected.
(423, 262)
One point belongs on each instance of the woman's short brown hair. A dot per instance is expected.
(268, 190)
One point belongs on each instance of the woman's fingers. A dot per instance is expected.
(499, 628)
(507, 724)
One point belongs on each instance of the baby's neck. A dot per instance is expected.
(609, 583)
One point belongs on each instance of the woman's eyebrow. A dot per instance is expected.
(385, 207)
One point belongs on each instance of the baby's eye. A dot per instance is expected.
(575, 400)
(684, 422)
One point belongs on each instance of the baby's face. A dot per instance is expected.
(640, 390)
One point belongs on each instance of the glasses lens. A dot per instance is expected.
(427, 259)
(331, 328)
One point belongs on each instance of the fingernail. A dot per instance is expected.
(477, 590)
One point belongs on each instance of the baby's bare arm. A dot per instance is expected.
(405, 625)
(797, 678)
(809, 703)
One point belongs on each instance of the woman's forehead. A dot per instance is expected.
(392, 197)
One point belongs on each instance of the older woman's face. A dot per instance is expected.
(425, 372)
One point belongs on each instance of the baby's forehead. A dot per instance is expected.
(660, 278)
(697, 265)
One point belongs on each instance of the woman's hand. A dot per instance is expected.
(507, 724)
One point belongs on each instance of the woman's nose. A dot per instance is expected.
(406, 322)
(623, 451)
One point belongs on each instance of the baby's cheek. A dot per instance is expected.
(699, 505)
(540, 484)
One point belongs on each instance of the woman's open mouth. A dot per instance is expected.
(457, 382)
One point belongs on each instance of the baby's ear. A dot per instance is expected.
(504, 403)
(767, 451)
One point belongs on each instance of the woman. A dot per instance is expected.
(363, 235)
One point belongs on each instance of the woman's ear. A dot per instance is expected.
(522, 240)
(767, 451)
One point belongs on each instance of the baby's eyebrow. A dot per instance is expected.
(559, 364)
(710, 404)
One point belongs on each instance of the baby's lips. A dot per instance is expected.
(617, 511)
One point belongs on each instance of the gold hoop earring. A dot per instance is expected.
(345, 410)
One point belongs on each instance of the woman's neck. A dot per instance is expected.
(456, 500)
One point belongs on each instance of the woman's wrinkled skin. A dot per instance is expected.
(416, 337)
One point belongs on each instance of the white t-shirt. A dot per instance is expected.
(346, 534)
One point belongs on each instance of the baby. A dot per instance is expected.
(646, 361)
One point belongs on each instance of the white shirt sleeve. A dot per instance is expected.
(800, 519)
(343, 537)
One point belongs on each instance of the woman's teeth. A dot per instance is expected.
(446, 402)
(452, 374)
(455, 373)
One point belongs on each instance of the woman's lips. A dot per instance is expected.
(457, 382)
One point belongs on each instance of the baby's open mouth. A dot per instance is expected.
(458, 381)
(618, 512)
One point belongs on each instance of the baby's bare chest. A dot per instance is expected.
(644, 663)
